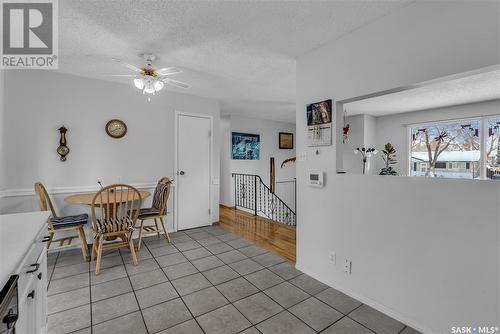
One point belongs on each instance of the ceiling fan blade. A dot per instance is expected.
(169, 71)
(129, 66)
(176, 83)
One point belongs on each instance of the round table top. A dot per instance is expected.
(88, 197)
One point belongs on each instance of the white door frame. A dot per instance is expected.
(176, 162)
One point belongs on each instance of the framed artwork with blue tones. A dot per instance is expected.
(245, 146)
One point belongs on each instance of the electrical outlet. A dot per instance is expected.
(347, 266)
(331, 256)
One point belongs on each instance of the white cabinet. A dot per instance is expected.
(24, 253)
(33, 289)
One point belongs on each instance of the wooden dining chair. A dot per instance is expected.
(156, 212)
(58, 224)
(118, 207)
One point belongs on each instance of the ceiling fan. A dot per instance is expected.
(150, 80)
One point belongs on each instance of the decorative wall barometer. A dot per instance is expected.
(63, 149)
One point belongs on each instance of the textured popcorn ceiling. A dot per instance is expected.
(469, 89)
(240, 52)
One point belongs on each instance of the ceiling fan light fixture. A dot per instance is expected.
(149, 89)
(149, 80)
(139, 83)
(158, 85)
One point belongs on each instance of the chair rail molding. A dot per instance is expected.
(67, 190)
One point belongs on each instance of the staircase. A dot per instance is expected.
(251, 193)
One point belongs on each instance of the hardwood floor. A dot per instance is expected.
(276, 238)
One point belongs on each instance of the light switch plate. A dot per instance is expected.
(332, 257)
(302, 156)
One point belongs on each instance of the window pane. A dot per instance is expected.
(493, 148)
(449, 149)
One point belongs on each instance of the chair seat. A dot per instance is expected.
(148, 212)
(75, 220)
(114, 225)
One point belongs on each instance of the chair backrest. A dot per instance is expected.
(44, 200)
(161, 194)
(118, 206)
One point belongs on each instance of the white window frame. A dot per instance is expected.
(483, 138)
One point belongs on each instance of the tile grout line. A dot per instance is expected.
(230, 303)
(243, 277)
(90, 294)
(254, 242)
(133, 290)
(262, 291)
(184, 303)
(190, 261)
(52, 271)
(128, 276)
(215, 287)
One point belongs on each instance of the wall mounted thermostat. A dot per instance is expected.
(315, 178)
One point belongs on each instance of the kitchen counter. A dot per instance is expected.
(17, 234)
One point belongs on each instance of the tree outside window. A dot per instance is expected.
(492, 153)
(447, 149)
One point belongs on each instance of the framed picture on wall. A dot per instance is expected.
(286, 141)
(245, 146)
(319, 123)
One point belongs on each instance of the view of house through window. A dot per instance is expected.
(453, 149)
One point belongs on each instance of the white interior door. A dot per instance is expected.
(193, 171)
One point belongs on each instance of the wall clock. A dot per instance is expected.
(116, 128)
(62, 149)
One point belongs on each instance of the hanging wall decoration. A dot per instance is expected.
(345, 129)
(116, 128)
(62, 149)
(285, 140)
(245, 146)
(319, 123)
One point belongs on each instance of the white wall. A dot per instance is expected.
(225, 158)
(39, 102)
(269, 147)
(2, 125)
(362, 132)
(394, 128)
(419, 264)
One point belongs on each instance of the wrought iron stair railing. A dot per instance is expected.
(251, 193)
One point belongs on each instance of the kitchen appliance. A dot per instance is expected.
(9, 311)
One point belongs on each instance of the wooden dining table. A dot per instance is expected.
(88, 199)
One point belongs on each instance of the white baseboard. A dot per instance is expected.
(365, 300)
